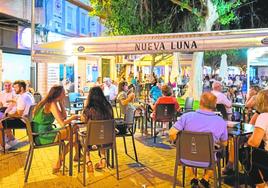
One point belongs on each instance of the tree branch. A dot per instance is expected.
(186, 6)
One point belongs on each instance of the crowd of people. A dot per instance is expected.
(17, 100)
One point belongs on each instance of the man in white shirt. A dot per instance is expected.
(23, 103)
(7, 95)
(110, 89)
(221, 98)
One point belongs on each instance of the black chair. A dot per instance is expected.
(127, 128)
(37, 97)
(34, 146)
(221, 108)
(196, 147)
(100, 133)
(188, 106)
(11, 123)
(163, 113)
(114, 105)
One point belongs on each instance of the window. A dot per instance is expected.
(83, 23)
(69, 18)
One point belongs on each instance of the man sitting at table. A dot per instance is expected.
(23, 103)
(110, 89)
(202, 120)
(221, 98)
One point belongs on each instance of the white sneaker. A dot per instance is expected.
(13, 142)
(7, 147)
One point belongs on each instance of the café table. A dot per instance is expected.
(236, 131)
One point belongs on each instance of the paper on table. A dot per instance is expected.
(231, 123)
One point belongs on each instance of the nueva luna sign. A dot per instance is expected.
(166, 46)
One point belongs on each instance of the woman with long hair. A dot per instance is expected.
(45, 113)
(259, 139)
(97, 108)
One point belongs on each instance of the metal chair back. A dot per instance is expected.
(37, 97)
(100, 132)
(221, 108)
(195, 146)
(189, 103)
(165, 112)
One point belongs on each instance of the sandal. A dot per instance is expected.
(89, 166)
(55, 170)
(100, 165)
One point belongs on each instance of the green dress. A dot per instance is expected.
(42, 122)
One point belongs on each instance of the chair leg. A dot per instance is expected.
(152, 127)
(215, 176)
(112, 158)
(183, 176)
(29, 165)
(219, 172)
(116, 160)
(63, 155)
(79, 155)
(175, 173)
(3, 140)
(84, 167)
(134, 147)
(125, 145)
(27, 158)
(154, 132)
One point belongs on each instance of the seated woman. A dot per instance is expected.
(97, 108)
(166, 98)
(251, 100)
(126, 98)
(260, 134)
(45, 113)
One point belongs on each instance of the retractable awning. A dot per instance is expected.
(155, 43)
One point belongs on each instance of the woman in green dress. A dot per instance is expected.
(48, 110)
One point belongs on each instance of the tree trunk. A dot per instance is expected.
(197, 63)
(175, 71)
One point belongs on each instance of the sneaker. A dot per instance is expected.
(13, 142)
(7, 147)
(204, 183)
(194, 183)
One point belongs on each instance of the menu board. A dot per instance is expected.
(53, 75)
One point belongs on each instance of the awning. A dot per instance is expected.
(156, 43)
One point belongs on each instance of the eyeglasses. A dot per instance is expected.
(7, 85)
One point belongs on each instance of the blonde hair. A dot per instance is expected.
(208, 100)
(262, 101)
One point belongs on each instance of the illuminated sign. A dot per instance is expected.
(152, 46)
(24, 38)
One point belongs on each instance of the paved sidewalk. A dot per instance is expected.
(156, 169)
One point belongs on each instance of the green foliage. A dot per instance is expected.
(226, 10)
(236, 56)
(128, 17)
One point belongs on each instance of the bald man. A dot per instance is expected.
(202, 120)
(221, 98)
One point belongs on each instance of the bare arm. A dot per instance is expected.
(173, 133)
(59, 116)
(62, 109)
(256, 137)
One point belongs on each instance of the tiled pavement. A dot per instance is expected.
(156, 169)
